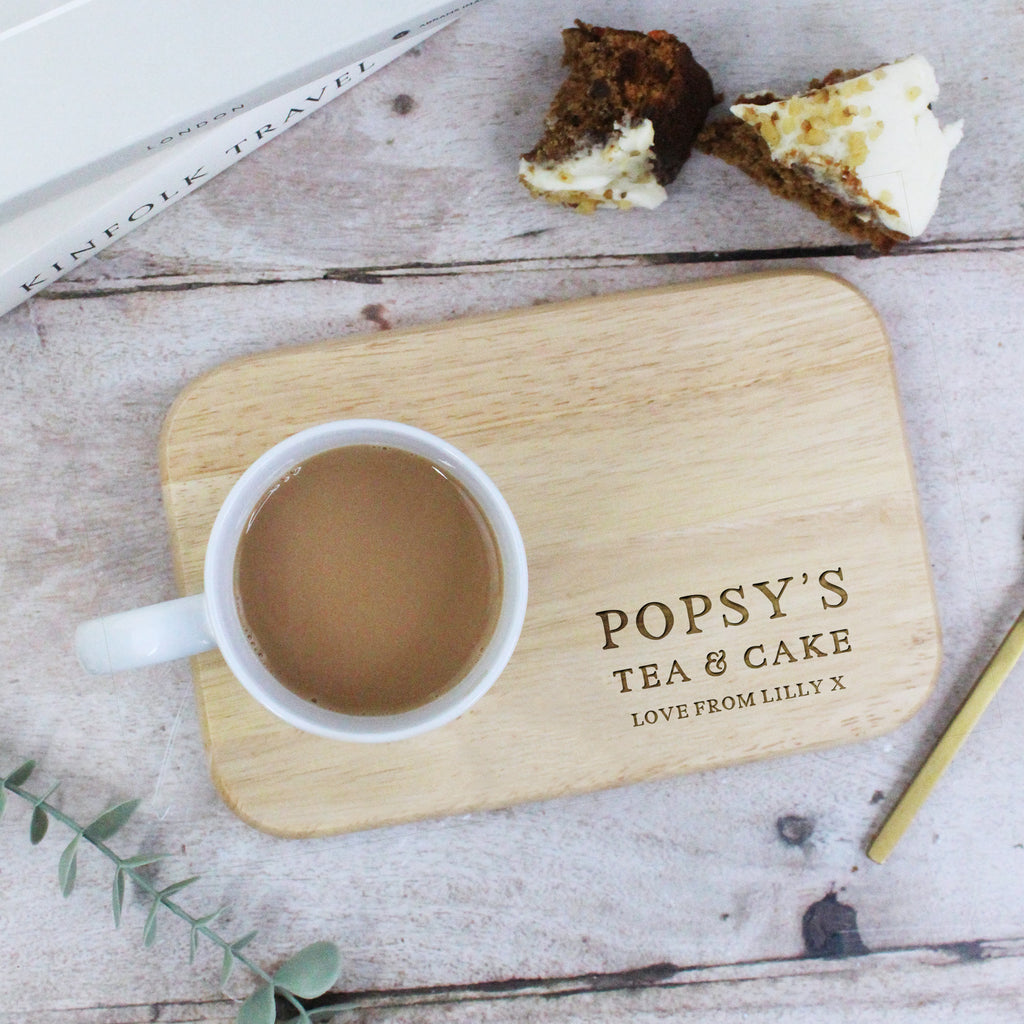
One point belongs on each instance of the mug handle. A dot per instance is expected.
(145, 636)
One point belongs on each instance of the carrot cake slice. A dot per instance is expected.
(863, 150)
(622, 123)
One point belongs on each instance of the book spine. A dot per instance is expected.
(179, 173)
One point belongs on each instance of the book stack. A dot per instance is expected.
(117, 108)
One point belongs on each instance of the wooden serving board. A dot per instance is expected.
(726, 558)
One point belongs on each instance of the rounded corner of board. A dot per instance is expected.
(924, 689)
(248, 815)
(841, 285)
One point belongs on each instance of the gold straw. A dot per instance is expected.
(944, 751)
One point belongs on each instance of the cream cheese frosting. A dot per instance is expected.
(872, 139)
(618, 172)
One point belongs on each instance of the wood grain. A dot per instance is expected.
(726, 559)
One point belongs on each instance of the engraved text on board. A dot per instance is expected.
(753, 639)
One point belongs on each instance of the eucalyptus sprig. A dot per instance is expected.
(306, 975)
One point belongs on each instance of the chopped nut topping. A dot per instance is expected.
(838, 114)
(770, 132)
(858, 148)
(814, 137)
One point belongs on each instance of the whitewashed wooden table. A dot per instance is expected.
(397, 205)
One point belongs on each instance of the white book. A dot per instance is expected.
(41, 245)
(91, 85)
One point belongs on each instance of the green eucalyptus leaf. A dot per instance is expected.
(117, 896)
(311, 972)
(174, 887)
(210, 918)
(20, 775)
(141, 860)
(149, 928)
(240, 944)
(225, 966)
(197, 926)
(110, 821)
(67, 869)
(38, 826)
(259, 1008)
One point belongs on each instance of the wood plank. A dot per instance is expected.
(929, 985)
(360, 186)
(921, 986)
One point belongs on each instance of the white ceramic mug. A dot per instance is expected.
(191, 625)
